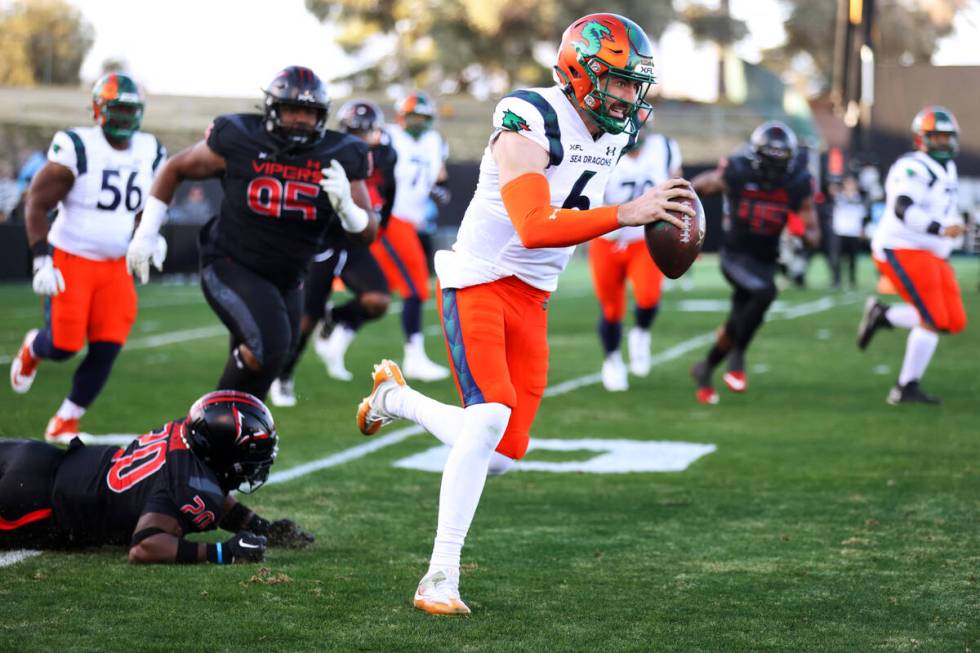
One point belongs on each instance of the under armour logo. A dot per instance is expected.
(610, 150)
(263, 155)
(554, 215)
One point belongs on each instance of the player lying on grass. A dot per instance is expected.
(172, 481)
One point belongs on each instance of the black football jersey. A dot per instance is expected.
(756, 210)
(274, 214)
(100, 492)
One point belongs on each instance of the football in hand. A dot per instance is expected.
(673, 249)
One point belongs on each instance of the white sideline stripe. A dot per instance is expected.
(13, 557)
(346, 455)
(163, 339)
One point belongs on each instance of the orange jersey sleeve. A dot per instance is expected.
(538, 224)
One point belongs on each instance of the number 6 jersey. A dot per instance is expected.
(95, 220)
(487, 245)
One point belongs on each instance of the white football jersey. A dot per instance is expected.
(419, 162)
(96, 218)
(487, 246)
(638, 172)
(932, 188)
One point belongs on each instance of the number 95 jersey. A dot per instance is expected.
(95, 220)
(487, 245)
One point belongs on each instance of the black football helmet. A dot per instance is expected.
(360, 117)
(774, 149)
(234, 434)
(299, 87)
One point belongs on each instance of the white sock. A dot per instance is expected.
(463, 479)
(70, 410)
(341, 337)
(415, 343)
(903, 315)
(918, 352)
(441, 420)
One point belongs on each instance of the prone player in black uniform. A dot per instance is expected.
(348, 259)
(167, 483)
(762, 185)
(286, 178)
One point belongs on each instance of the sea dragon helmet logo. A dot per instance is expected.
(593, 33)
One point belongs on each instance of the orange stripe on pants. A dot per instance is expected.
(399, 252)
(927, 282)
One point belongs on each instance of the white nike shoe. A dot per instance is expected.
(639, 344)
(332, 352)
(438, 593)
(371, 413)
(281, 393)
(614, 377)
(418, 366)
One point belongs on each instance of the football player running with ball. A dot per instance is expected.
(543, 172)
(762, 186)
(167, 483)
(910, 248)
(98, 179)
(286, 178)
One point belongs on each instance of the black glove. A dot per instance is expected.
(245, 546)
(282, 532)
(441, 194)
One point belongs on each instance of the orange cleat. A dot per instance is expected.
(371, 415)
(61, 431)
(736, 381)
(24, 366)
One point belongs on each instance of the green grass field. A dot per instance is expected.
(825, 520)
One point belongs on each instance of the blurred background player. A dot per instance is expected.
(514, 241)
(348, 260)
(286, 178)
(421, 166)
(173, 480)
(622, 254)
(910, 248)
(98, 179)
(850, 213)
(763, 184)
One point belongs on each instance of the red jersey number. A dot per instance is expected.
(144, 461)
(270, 197)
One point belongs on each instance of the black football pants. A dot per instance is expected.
(754, 284)
(258, 314)
(27, 469)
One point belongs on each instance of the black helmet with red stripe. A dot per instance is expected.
(234, 434)
(298, 87)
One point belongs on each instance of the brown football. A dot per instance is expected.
(673, 249)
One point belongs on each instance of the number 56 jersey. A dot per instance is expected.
(487, 246)
(95, 220)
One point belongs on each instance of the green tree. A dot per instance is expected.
(44, 42)
(443, 39)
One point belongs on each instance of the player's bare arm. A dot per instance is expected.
(198, 161)
(710, 181)
(158, 539)
(51, 185)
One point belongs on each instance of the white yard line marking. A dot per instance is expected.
(173, 337)
(8, 558)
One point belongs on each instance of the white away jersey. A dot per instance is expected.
(96, 218)
(636, 173)
(416, 171)
(487, 245)
(932, 189)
